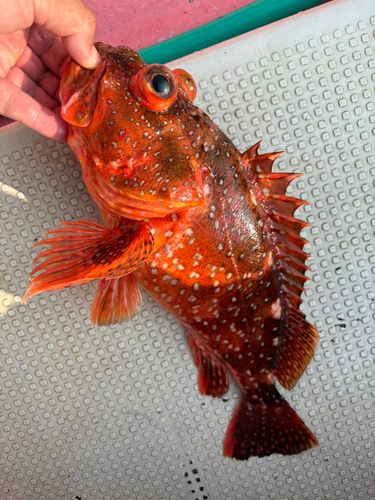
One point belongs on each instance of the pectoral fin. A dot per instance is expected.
(85, 250)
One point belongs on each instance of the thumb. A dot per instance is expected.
(74, 23)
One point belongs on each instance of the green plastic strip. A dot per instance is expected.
(250, 17)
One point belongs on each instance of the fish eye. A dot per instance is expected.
(155, 87)
(160, 84)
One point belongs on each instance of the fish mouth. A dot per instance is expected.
(131, 205)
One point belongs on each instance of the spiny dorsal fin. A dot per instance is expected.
(298, 338)
(259, 163)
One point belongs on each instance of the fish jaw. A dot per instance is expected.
(79, 93)
(80, 87)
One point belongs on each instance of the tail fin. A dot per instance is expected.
(262, 429)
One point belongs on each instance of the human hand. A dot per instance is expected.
(33, 56)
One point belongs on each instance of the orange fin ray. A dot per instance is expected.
(90, 224)
(63, 250)
(281, 222)
(277, 181)
(82, 227)
(293, 264)
(72, 230)
(292, 294)
(294, 241)
(116, 301)
(292, 278)
(286, 252)
(78, 232)
(213, 378)
(113, 253)
(84, 234)
(266, 427)
(284, 204)
(55, 262)
(260, 163)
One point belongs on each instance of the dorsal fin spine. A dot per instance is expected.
(284, 230)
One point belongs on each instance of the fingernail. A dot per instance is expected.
(95, 56)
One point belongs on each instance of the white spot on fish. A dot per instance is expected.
(269, 259)
(276, 309)
(194, 275)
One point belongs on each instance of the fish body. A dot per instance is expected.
(208, 232)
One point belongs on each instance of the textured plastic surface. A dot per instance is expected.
(114, 413)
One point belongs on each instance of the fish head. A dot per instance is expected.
(127, 125)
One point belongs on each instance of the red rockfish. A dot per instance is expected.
(207, 231)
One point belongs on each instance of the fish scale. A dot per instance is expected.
(208, 232)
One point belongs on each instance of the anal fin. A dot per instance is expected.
(116, 301)
(213, 378)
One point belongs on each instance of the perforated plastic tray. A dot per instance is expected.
(114, 413)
